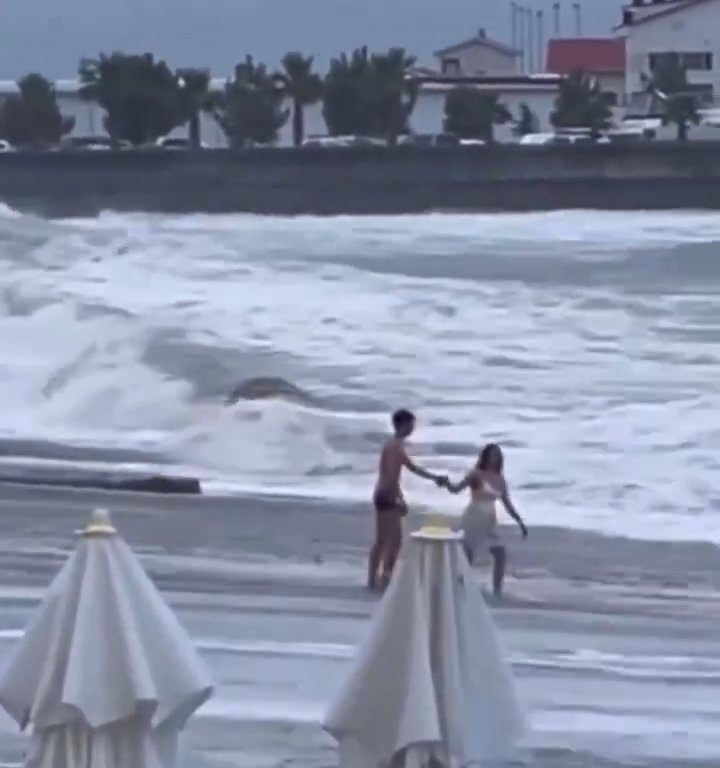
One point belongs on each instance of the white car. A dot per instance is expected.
(6, 146)
(537, 139)
(561, 138)
(343, 141)
(93, 143)
(178, 143)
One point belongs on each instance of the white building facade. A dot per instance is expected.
(686, 32)
(480, 56)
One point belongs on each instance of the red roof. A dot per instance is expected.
(595, 55)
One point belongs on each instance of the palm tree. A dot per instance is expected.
(395, 93)
(32, 118)
(581, 104)
(347, 95)
(141, 96)
(251, 109)
(196, 99)
(669, 85)
(472, 114)
(302, 86)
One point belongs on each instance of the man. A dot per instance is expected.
(388, 500)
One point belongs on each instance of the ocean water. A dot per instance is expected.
(586, 343)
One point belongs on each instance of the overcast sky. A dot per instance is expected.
(50, 36)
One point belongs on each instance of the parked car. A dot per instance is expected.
(537, 139)
(343, 141)
(6, 146)
(430, 140)
(177, 143)
(570, 137)
(94, 144)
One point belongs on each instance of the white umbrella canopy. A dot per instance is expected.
(430, 686)
(105, 673)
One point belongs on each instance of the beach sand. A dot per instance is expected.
(615, 643)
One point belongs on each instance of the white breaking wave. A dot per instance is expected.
(666, 668)
(585, 342)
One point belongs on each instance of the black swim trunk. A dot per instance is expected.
(388, 502)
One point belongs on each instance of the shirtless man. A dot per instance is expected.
(390, 506)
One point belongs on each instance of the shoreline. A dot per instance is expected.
(319, 503)
(272, 592)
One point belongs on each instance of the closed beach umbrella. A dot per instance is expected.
(430, 686)
(105, 674)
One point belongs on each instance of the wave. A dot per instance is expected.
(266, 354)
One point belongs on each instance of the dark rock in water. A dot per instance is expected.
(103, 481)
(162, 484)
(267, 388)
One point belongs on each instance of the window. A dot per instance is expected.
(697, 61)
(451, 67)
(662, 60)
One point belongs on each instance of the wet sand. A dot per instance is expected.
(615, 643)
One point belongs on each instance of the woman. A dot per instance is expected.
(486, 483)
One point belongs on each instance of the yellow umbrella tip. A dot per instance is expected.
(100, 524)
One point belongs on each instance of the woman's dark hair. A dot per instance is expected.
(402, 418)
(486, 456)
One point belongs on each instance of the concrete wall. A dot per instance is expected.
(368, 180)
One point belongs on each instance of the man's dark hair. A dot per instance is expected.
(402, 418)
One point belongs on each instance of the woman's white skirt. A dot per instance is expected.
(480, 527)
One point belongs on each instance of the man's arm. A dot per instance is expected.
(410, 465)
(510, 507)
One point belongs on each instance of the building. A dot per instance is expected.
(537, 92)
(480, 56)
(600, 58)
(683, 32)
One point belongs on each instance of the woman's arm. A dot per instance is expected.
(510, 507)
(467, 482)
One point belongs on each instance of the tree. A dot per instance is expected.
(32, 118)
(394, 92)
(472, 114)
(346, 95)
(195, 98)
(670, 86)
(250, 110)
(370, 95)
(527, 122)
(303, 87)
(141, 97)
(581, 104)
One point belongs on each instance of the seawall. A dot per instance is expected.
(365, 180)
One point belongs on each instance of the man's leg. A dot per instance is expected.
(393, 544)
(376, 553)
(499, 558)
